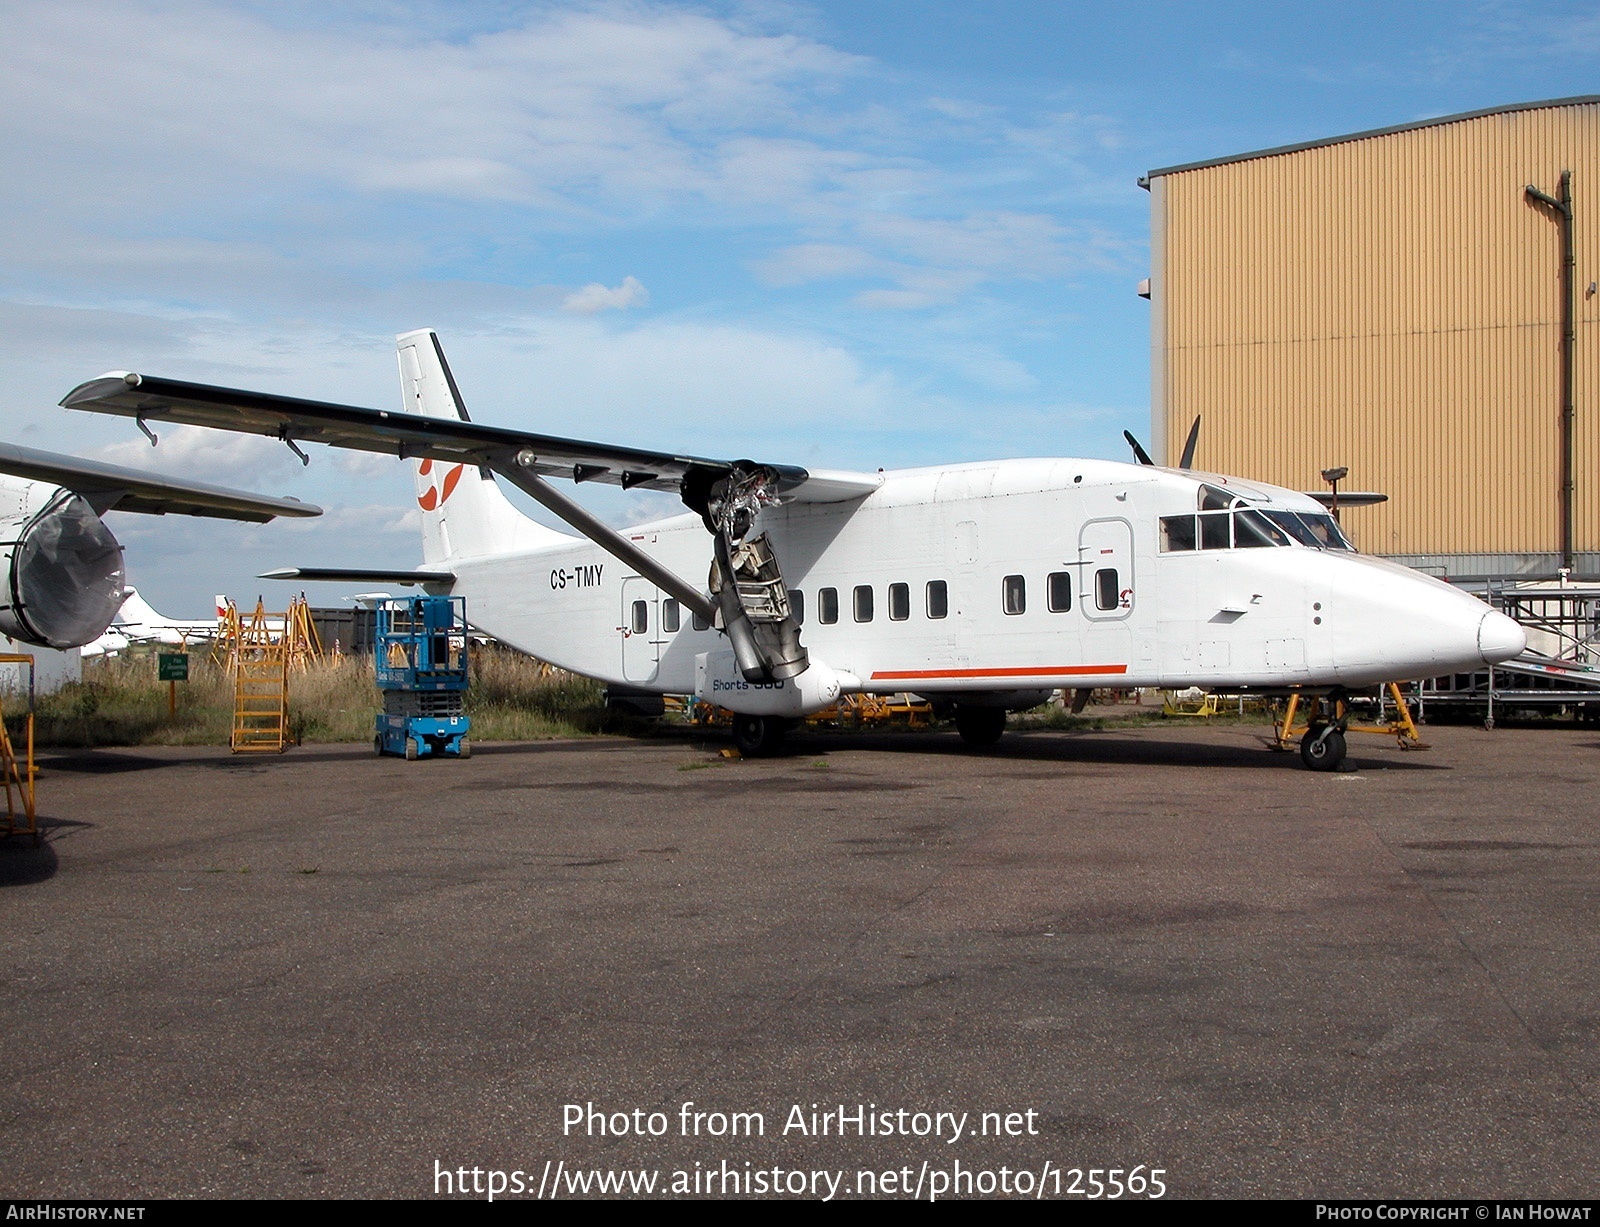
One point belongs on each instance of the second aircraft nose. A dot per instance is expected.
(1499, 638)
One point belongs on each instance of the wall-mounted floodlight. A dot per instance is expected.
(1333, 477)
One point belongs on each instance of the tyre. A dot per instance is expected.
(412, 750)
(980, 726)
(377, 745)
(1321, 751)
(758, 736)
(463, 750)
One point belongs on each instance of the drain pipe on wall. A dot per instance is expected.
(1563, 206)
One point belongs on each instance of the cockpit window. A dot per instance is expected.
(1309, 528)
(1327, 531)
(1295, 527)
(1251, 529)
(1177, 533)
(1212, 499)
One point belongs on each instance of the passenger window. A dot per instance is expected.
(700, 623)
(641, 617)
(863, 602)
(827, 606)
(899, 602)
(797, 606)
(1014, 594)
(938, 598)
(671, 616)
(1105, 588)
(1058, 591)
(1177, 533)
(1214, 531)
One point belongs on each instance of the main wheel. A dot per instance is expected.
(980, 726)
(1322, 748)
(758, 736)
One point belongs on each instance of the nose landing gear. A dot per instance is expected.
(1322, 748)
(1322, 745)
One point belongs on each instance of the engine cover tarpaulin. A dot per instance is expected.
(64, 575)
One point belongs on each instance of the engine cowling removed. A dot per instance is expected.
(62, 567)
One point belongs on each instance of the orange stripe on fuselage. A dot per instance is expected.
(907, 675)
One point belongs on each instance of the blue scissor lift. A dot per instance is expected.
(421, 659)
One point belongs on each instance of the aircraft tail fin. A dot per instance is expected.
(464, 513)
(134, 608)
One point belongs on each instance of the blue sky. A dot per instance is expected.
(844, 235)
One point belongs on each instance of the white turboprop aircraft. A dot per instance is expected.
(139, 622)
(60, 566)
(986, 585)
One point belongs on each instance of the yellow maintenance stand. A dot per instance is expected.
(259, 661)
(21, 817)
(1401, 727)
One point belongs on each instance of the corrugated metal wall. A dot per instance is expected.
(1392, 304)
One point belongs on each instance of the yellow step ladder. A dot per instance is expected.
(17, 769)
(261, 700)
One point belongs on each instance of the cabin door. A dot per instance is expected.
(641, 630)
(1105, 550)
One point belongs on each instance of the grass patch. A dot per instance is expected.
(119, 702)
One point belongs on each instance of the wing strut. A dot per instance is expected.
(607, 538)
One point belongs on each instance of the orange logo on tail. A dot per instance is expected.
(434, 496)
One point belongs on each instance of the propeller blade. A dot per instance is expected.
(1188, 447)
(1139, 454)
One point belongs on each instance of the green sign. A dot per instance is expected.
(173, 666)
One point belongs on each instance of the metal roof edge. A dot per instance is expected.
(1579, 100)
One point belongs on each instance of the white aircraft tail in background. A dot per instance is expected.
(138, 622)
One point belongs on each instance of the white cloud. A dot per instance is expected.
(816, 262)
(594, 297)
(603, 102)
(246, 461)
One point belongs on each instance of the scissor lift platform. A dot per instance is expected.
(421, 665)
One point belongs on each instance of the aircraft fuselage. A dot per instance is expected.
(1000, 579)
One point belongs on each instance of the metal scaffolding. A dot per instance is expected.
(1560, 668)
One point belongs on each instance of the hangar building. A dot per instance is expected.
(1395, 302)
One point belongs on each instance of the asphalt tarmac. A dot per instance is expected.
(325, 974)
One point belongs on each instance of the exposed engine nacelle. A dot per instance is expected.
(62, 568)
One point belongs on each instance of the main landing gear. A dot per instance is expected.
(759, 736)
(980, 726)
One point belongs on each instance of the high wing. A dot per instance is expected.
(727, 494)
(147, 398)
(109, 487)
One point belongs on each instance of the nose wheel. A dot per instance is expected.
(1322, 748)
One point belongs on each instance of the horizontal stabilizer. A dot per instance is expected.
(415, 437)
(359, 575)
(110, 487)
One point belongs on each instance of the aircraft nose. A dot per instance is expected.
(1499, 638)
